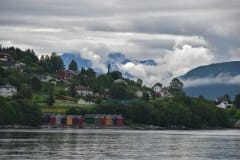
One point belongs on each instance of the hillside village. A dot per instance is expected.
(78, 95)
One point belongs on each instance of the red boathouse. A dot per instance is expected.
(52, 119)
(80, 120)
(103, 120)
(119, 120)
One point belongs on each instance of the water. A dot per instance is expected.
(119, 144)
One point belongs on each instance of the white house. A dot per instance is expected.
(223, 103)
(7, 90)
(165, 92)
(157, 88)
(139, 94)
(161, 91)
(84, 91)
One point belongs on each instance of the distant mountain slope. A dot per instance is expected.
(212, 70)
(213, 80)
(115, 59)
(81, 62)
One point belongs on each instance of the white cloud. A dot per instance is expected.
(234, 54)
(174, 63)
(177, 35)
(181, 60)
(97, 61)
(136, 70)
(220, 79)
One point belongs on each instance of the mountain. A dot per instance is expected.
(115, 59)
(81, 62)
(213, 80)
(230, 68)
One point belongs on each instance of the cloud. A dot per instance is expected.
(220, 79)
(97, 61)
(137, 70)
(179, 35)
(181, 60)
(174, 63)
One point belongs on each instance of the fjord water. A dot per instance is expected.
(119, 144)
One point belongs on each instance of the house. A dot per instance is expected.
(7, 90)
(222, 102)
(237, 124)
(114, 120)
(80, 120)
(63, 120)
(165, 92)
(48, 79)
(65, 74)
(109, 120)
(120, 120)
(59, 119)
(84, 91)
(52, 120)
(69, 120)
(160, 91)
(45, 119)
(5, 57)
(19, 66)
(157, 88)
(92, 119)
(83, 102)
(139, 94)
(149, 94)
(103, 120)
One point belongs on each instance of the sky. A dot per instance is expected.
(178, 35)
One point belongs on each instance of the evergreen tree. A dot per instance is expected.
(36, 84)
(56, 63)
(50, 99)
(73, 66)
(176, 87)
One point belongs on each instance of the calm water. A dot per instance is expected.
(119, 144)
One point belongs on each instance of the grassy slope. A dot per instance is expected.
(59, 107)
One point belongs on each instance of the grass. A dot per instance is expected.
(53, 110)
(59, 106)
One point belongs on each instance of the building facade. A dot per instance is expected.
(7, 90)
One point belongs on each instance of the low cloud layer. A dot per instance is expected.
(220, 79)
(178, 35)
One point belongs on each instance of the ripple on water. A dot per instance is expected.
(119, 144)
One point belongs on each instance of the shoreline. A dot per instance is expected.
(124, 127)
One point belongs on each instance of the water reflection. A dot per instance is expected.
(119, 144)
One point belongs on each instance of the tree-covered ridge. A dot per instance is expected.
(40, 86)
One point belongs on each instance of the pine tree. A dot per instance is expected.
(73, 66)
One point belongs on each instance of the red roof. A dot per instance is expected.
(4, 55)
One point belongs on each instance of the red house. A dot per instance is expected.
(52, 119)
(80, 120)
(5, 57)
(103, 120)
(64, 74)
(120, 120)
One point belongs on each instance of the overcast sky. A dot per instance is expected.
(178, 35)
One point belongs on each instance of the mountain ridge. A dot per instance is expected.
(223, 73)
